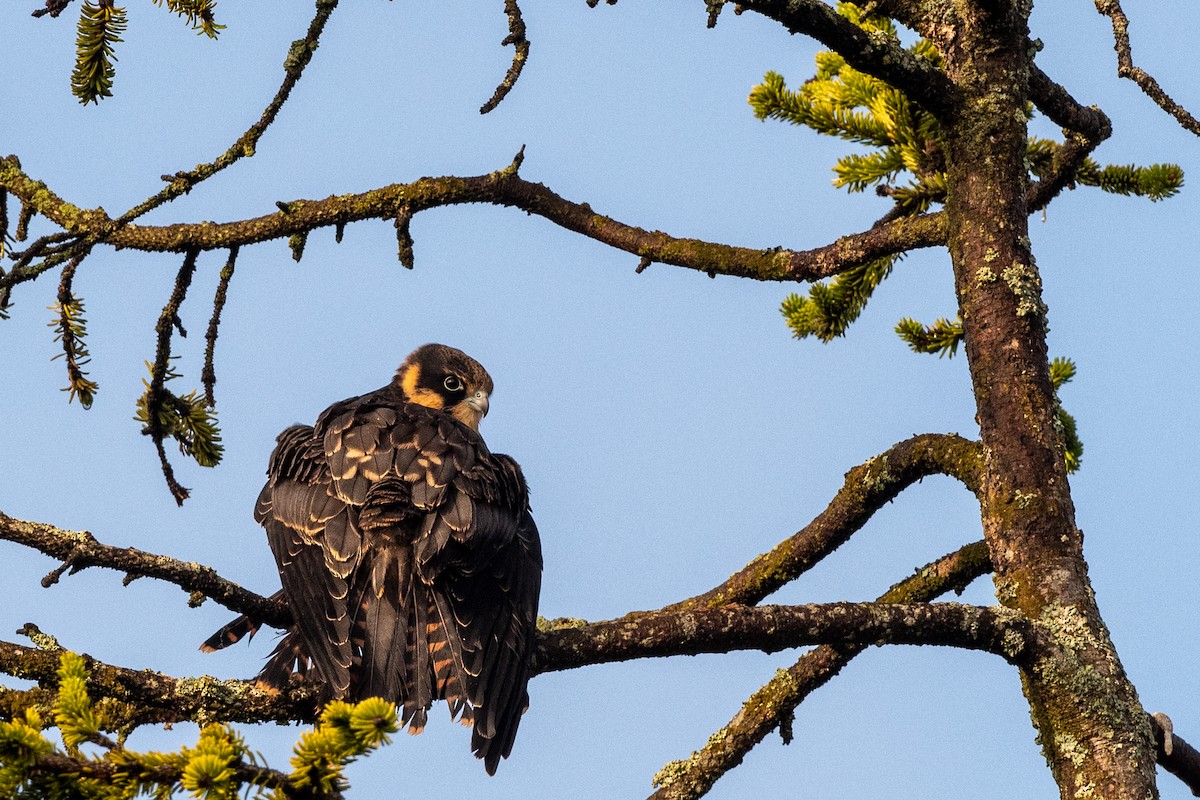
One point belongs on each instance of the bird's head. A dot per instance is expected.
(441, 377)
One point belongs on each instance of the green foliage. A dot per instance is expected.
(210, 768)
(186, 419)
(942, 337)
(21, 745)
(100, 27)
(831, 307)
(217, 767)
(70, 328)
(1156, 181)
(904, 161)
(74, 714)
(1062, 370)
(197, 13)
(345, 732)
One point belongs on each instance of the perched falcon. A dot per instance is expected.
(408, 555)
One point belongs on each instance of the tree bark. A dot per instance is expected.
(1091, 726)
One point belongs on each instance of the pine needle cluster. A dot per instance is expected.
(185, 418)
(903, 159)
(70, 329)
(99, 29)
(217, 767)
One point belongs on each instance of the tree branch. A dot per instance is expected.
(79, 550)
(516, 37)
(866, 489)
(1064, 110)
(148, 697)
(503, 187)
(880, 57)
(166, 774)
(1174, 754)
(773, 705)
(1144, 80)
(654, 634)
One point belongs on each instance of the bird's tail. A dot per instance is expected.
(232, 633)
(287, 659)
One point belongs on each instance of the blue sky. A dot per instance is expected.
(669, 426)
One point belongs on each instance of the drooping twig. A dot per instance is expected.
(208, 375)
(70, 330)
(1127, 69)
(80, 550)
(156, 393)
(866, 489)
(773, 704)
(516, 37)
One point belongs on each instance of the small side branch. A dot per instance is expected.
(516, 37)
(654, 634)
(773, 705)
(79, 550)
(1127, 69)
(1174, 754)
(1064, 110)
(885, 59)
(866, 489)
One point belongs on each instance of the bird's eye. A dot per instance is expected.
(452, 383)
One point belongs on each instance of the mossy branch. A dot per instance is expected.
(1145, 81)
(772, 706)
(516, 37)
(866, 489)
(504, 188)
(79, 550)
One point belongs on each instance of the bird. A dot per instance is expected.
(408, 554)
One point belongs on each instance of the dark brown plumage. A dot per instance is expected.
(407, 553)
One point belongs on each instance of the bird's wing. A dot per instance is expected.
(487, 596)
(317, 545)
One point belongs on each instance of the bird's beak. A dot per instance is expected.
(479, 402)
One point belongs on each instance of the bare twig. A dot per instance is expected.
(516, 37)
(298, 57)
(208, 375)
(53, 8)
(1127, 69)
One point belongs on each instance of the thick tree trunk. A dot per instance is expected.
(1091, 725)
